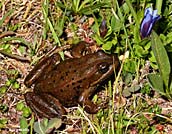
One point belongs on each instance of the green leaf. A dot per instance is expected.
(139, 51)
(3, 122)
(16, 85)
(3, 89)
(46, 126)
(40, 126)
(161, 58)
(107, 45)
(26, 112)
(98, 39)
(126, 93)
(53, 123)
(134, 88)
(130, 66)
(20, 106)
(8, 83)
(156, 82)
(116, 24)
(128, 77)
(152, 57)
(23, 125)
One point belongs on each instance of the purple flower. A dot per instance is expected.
(150, 17)
(103, 28)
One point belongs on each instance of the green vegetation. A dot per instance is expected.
(139, 98)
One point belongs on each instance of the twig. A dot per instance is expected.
(14, 56)
(8, 33)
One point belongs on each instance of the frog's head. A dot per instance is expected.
(103, 66)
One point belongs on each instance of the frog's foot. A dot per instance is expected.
(90, 107)
(45, 105)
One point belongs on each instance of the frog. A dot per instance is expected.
(60, 84)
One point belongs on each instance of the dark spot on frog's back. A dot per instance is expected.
(62, 78)
(75, 71)
(66, 73)
(73, 83)
(80, 81)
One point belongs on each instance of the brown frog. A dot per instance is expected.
(68, 83)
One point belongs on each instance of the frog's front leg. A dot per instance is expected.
(45, 105)
(89, 106)
(43, 66)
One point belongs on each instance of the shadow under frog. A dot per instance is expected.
(68, 83)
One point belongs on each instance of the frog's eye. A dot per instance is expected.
(103, 67)
(100, 52)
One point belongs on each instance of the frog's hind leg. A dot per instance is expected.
(43, 66)
(44, 105)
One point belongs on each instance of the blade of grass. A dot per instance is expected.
(48, 22)
(89, 10)
(83, 4)
(159, 5)
(63, 6)
(121, 18)
(1, 5)
(17, 39)
(45, 14)
(5, 16)
(86, 118)
(137, 28)
(53, 32)
(75, 5)
(133, 13)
